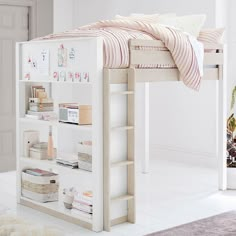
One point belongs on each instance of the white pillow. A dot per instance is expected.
(191, 24)
(151, 19)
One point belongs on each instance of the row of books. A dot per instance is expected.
(83, 204)
(39, 101)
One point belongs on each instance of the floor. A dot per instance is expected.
(172, 193)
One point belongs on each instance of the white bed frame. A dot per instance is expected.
(115, 180)
(213, 70)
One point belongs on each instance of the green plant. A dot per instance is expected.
(231, 123)
(233, 96)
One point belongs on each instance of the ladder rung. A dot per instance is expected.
(123, 127)
(123, 198)
(122, 93)
(121, 163)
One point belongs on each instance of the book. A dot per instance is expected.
(41, 107)
(82, 207)
(40, 100)
(84, 202)
(81, 213)
(39, 172)
(41, 115)
(33, 89)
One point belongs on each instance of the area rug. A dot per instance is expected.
(219, 225)
(15, 226)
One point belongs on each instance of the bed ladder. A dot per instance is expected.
(129, 163)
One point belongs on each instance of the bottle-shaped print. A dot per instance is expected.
(50, 144)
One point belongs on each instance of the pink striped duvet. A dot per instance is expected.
(117, 33)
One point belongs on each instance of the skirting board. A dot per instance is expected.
(56, 214)
(119, 220)
(184, 155)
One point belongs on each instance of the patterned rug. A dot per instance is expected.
(15, 226)
(219, 225)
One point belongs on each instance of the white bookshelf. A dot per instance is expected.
(65, 135)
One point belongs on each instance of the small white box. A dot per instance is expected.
(30, 137)
(84, 148)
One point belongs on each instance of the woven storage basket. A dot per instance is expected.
(40, 188)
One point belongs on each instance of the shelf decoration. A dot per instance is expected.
(231, 138)
(62, 56)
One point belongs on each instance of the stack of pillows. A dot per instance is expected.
(190, 24)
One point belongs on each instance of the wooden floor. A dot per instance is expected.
(194, 199)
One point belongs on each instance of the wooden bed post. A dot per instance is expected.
(221, 130)
(145, 160)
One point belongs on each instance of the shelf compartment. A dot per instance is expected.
(57, 210)
(52, 164)
(121, 163)
(56, 82)
(122, 93)
(122, 198)
(123, 128)
(56, 123)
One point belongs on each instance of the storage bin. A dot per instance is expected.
(84, 165)
(40, 188)
(231, 178)
(75, 113)
(84, 149)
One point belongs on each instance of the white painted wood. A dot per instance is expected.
(52, 208)
(155, 75)
(122, 93)
(123, 198)
(106, 150)
(13, 28)
(159, 44)
(121, 163)
(123, 128)
(131, 148)
(165, 58)
(97, 132)
(119, 220)
(221, 129)
(213, 58)
(231, 175)
(66, 136)
(145, 160)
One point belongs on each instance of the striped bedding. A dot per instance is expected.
(117, 33)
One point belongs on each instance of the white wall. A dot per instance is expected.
(63, 15)
(231, 45)
(89, 11)
(180, 119)
(44, 17)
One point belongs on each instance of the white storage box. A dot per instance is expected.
(231, 178)
(84, 165)
(40, 188)
(84, 148)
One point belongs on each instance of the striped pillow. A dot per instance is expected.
(211, 35)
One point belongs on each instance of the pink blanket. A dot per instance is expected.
(116, 34)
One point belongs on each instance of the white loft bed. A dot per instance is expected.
(113, 183)
(213, 70)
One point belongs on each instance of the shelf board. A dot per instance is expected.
(128, 127)
(122, 93)
(52, 164)
(58, 210)
(121, 163)
(55, 123)
(123, 198)
(54, 82)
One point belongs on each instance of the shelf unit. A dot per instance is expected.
(65, 135)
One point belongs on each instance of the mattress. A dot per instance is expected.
(117, 33)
